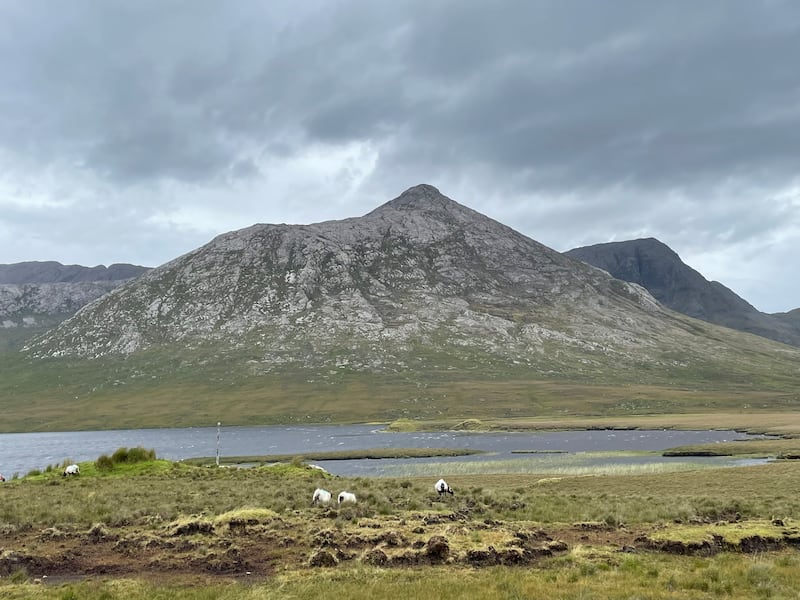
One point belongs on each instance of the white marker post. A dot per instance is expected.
(218, 424)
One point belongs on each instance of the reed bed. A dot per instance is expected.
(565, 464)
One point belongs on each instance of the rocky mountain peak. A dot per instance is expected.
(420, 196)
(656, 267)
(647, 261)
(427, 199)
(420, 192)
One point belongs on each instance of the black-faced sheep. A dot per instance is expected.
(321, 496)
(346, 497)
(442, 487)
(71, 470)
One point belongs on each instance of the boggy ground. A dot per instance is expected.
(257, 543)
(260, 543)
(167, 521)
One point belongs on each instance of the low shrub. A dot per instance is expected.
(139, 454)
(104, 463)
(132, 455)
(124, 456)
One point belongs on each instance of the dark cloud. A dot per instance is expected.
(667, 99)
(649, 93)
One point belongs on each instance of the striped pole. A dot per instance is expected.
(218, 424)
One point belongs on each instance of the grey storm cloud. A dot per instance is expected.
(640, 95)
(572, 93)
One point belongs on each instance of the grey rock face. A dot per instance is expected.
(656, 267)
(23, 304)
(36, 295)
(420, 273)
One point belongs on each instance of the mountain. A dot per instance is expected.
(422, 308)
(55, 272)
(657, 268)
(792, 317)
(421, 270)
(35, 296)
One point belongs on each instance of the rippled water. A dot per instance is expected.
(22, 452)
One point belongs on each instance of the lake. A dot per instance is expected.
(556, 451)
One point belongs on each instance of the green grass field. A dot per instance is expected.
(52, 395)
(200, 385)
(733, 577)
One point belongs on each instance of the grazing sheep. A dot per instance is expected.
(321, 496)
(2, 478)
(345, 497)
(71, 470)
(442, 487)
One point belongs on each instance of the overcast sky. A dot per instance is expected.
(136, 131)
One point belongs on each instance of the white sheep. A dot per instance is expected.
(321, 496)
(345, 497)
(71, 470)
(442, 487)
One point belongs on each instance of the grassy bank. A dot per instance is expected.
(372, 453)
(756, 421)
(781, 448)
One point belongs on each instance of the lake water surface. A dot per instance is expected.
(22, 452)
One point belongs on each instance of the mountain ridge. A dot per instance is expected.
(55, 272)
(35, 296)
(656, 267)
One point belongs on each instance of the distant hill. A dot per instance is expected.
(55, 272)
(35, 296)
(656, 267)
(793, 316)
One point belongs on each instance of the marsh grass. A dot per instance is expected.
(248, 516)
(162, 498)
(557, 463)
(730, 533)
(161, 491)
(572, 577)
